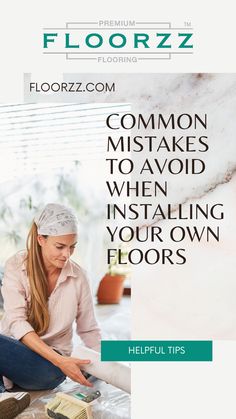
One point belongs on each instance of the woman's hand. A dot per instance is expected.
(71, 367)
(68, 365)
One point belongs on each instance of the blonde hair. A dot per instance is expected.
(38, 315)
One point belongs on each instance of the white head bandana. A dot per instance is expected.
(56, 220)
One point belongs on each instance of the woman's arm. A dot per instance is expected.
(15, 322)
(68, 365)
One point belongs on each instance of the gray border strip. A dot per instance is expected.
(116, 53)
(121, 28)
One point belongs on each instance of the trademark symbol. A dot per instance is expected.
(187, 24)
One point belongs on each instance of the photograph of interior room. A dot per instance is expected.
(56, 153)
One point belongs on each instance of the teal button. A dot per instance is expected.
(156, 350)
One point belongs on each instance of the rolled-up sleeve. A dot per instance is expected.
(15, 303)
(87, 325)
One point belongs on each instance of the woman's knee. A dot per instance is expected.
(47, 382)
(51, 378)
(46, 376)
(53, 382)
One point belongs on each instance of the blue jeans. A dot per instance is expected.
(26, 368)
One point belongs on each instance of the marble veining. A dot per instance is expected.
(195, 300)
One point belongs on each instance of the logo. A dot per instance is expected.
(118, 40)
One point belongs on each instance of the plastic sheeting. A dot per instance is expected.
(113, 403)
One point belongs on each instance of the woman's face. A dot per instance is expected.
(56, 250)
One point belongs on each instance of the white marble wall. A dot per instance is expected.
(196, 300)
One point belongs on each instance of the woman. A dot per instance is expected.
(44, 292)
